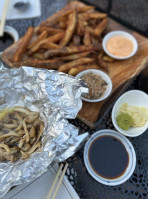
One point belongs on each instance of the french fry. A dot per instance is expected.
(66, 67)
(75, 56)
(85, 8)
(74, 71)
(101, 27)
(48, 64)
(76, 40)
(42, 36)
(102, 64)
(70, 29)
(49, 30)
(81, 25)
(23, 45)
(106, 58)
(69, 50)
(49, 45)
(51, 39)
(96, 15)
(87, 38)
(38, 55)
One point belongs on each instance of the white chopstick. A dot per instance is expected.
(59, 183)
(3, 17)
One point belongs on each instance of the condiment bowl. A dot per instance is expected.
(133, 98)
(96, 161)
(12, 32)
(123, 34)
(105, 77)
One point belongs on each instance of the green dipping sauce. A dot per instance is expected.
(124, 120)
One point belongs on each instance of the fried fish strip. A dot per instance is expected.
(23, 45)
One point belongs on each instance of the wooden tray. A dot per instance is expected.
(121, 72)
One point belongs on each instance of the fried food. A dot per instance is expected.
(23, 45)
(22, 140)
(69, 50)
(64, 41)
(70, 29)
(67, 66)
(74, 71)
(101, 27)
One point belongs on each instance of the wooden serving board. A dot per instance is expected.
(121, 72)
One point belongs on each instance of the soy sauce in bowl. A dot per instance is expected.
(108, 157)
(5, 41)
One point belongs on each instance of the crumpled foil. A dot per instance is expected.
(56, 96)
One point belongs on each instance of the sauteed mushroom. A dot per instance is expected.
(20, 134)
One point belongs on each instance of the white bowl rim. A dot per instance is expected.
(102, 74)
(12, 31)
(122, 138)
(112, 115)
(123, 33)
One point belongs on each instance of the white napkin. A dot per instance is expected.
(33, 10)
(39, 188)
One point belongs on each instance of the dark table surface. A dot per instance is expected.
(134, 15)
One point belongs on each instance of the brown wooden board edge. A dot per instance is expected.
(117, 93)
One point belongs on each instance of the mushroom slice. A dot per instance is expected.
(21, 142)
(13, 150)
(26, 147)
(9, 157)
(38, 122)
(26, 131)
(38, 145)
(32, 132)
(32, 140)
(10, 126)
(20, 126)
(21, 110)
(6, 147)
(24, 154)
(11, 133)
(32, 117)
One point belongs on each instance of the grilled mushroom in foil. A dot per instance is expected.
(34, 131)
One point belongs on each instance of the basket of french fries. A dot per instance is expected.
(70, 41)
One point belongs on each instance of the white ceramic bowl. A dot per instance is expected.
(134, 98)
(105, 77)
(11, 31)
(129, 148)
(124, 34)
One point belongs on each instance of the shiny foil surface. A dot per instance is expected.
(56, 96)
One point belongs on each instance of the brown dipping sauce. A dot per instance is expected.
(108, 157)
(5, 41)
(119, 46)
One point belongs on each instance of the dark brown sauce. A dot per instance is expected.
(108, 157)
(5, 41)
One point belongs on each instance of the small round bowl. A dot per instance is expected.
(131, 154)
(133, 98)
(11, 31)
(123, 34)
(104, 76)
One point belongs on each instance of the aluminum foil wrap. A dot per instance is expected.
(56, 96)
